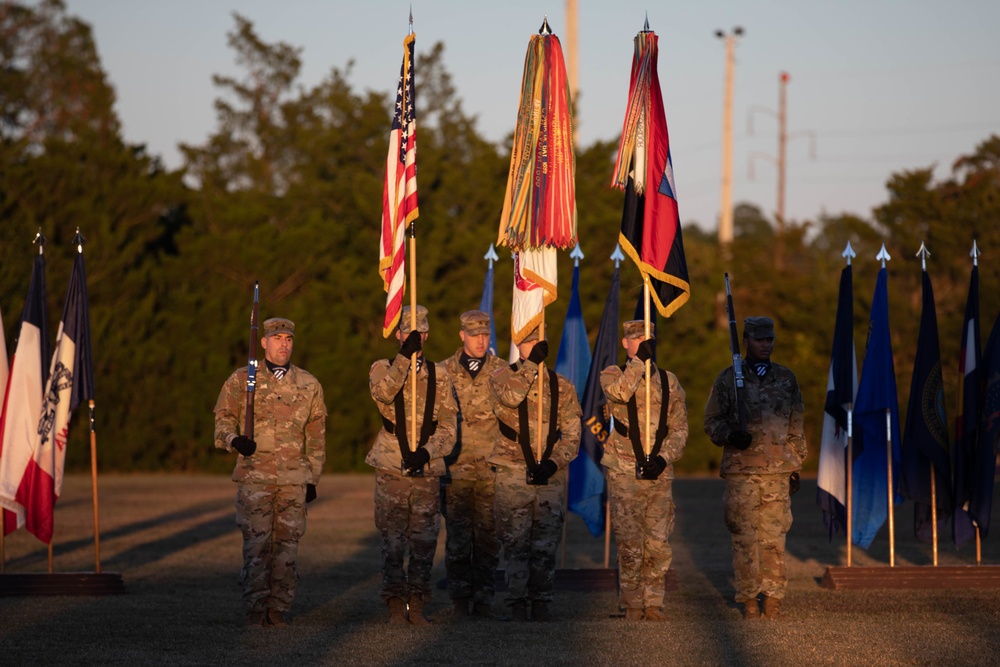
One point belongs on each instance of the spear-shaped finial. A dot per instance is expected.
(545, 29)
(883, 255)
(645, 28)
(491, 255)
(78, 241)
(411, 19)
(848, 253)
(40, 242)
(577, 254)
(923, 254)
(974, 254)
(617, 255)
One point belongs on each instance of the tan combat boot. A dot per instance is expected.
(653, 614)
(276, 618)
(460, 607)
(772, 608)
(540, 611)
(751, 610)
(483, 610)
(255, 619)
(417, 611)
(633, 614)
(519, 612)
(397, 611)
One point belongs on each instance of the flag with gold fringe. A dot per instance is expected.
(651, 230)
(539, 208)
(399, 194)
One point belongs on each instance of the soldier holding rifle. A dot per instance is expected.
(407, 474)
(642, 505)
(531, 489)
(281, 447)
(759, 427)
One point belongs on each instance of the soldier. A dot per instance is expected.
(760, 465)
(407, 484)
(642, 504)
(471, 549)
(531, 492)
(276, 472)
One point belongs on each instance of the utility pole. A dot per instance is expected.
(726, 205)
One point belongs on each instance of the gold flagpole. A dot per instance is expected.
(647, 444)
(413, 327)
(934, 528)
(849, 464)
(93, 479)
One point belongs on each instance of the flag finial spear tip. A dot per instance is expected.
(974, 253)
(577, 254)
(883, 255)
(545, 29)
(79, 240)
(645, 27)
(617, 255)
(491, 255)
(411, 19)
(848, 253)
(40, 241)
(923, 254)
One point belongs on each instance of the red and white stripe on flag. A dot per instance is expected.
(535, 282)
(399, 194)
(19, 423)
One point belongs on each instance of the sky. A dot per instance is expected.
(876, 87)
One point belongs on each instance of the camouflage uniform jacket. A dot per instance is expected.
(385, 381)
(619, 387)
(289, 426)
(508, 388)
(477, 426)
(774, 418)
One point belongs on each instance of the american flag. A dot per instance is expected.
(399, 196)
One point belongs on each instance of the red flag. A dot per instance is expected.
(70, 381)
(651, 230)
(534, 288)
(399, 196)
(23, 400)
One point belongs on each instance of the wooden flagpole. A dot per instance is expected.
(849, 464)
(647, 442)
(934, 528)
(413, 327)
(888, 453)
(93, 479)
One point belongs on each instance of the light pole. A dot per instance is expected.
(726, 206)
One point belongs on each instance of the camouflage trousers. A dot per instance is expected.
(406, 515)
(529, 523)
(758, 515)
(272, 519)
(642, 514)
(471, 548)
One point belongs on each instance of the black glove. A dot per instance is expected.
(414, 461)
(646, 349)
(739, 439)
(653, 468)
(793, 483)
(411, 344)
(539, 352)
(244, 445)
(540, 474)
(310, 493)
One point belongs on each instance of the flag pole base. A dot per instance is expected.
(912, 577)
(588, 580)
(62, 583)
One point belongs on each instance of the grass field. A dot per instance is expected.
(174, 541)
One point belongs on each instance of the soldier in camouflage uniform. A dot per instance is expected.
(277, 471)
(531, 494)
(760, 465)
(642, 503)
(407, 485)
(471, 549)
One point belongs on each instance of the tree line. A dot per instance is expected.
(287, 190)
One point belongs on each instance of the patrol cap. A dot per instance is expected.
(278, 325)
(404, 320)
(635, 329)
(532, 335)
(758, 327)
(475, 322)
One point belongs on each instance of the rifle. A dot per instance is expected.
(251, 366)
(734, 347)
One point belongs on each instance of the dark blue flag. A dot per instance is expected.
(988, 442)
(967, 422)
(486, 305)
(876, 423)
(841, 388)
(925, 440)
(574, 348)
(587, 491)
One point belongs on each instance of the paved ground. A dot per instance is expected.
(175, 543)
